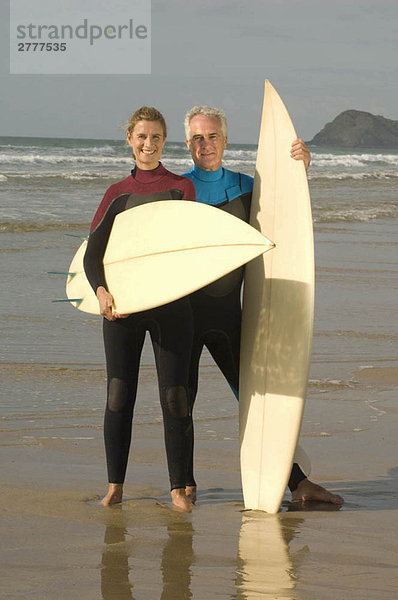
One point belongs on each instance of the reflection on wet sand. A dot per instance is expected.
(115, 583)
(120, 548)
(266, 568)
(177, 559)
(148, 546)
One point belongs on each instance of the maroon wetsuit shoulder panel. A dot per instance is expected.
(138, 188)
(145, 182)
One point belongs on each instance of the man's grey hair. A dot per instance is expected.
(207, 111)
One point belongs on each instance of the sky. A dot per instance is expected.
(322, 56)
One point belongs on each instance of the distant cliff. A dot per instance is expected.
(358, 129)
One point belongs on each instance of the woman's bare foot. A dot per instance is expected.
(180, 500)
(307, 490)
(114, 495)
(190, 492)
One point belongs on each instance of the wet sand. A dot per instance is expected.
(57, 542)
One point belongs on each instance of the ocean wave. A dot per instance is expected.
(249, 154)
(235, 164)
(333, 383)
(86, 176)
(169, 161)
(28, 226)
(346, 176)
(74, 175)
(37, 149)
(178, 146)
(353, 160)
(99, 150)
(56, 159)
(357, 214)
(81, 177)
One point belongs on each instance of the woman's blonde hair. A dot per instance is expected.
(146, 113)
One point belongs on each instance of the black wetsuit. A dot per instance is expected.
(170, 327)
(217, 307)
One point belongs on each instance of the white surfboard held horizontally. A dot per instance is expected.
(161, 251)
(278, 308)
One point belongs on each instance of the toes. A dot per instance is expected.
(336, 499)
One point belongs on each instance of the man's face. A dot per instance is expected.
(206, 142)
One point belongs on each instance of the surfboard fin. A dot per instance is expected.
(75, 235)
(77, 300)
(61, 273)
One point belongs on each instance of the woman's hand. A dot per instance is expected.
(106, 304)
(300, 151)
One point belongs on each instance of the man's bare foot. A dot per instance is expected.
(114, 495)
(180, 500)
(307, 490)
(190, 492)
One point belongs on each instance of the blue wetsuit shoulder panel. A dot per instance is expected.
(218, 187)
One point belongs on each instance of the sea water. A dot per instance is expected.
(58, 183)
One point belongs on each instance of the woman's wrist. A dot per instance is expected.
(100, 291)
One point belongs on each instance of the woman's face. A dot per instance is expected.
(147, 141)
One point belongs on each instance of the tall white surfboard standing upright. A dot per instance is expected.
(278, 308)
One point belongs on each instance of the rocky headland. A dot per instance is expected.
(358, 129)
